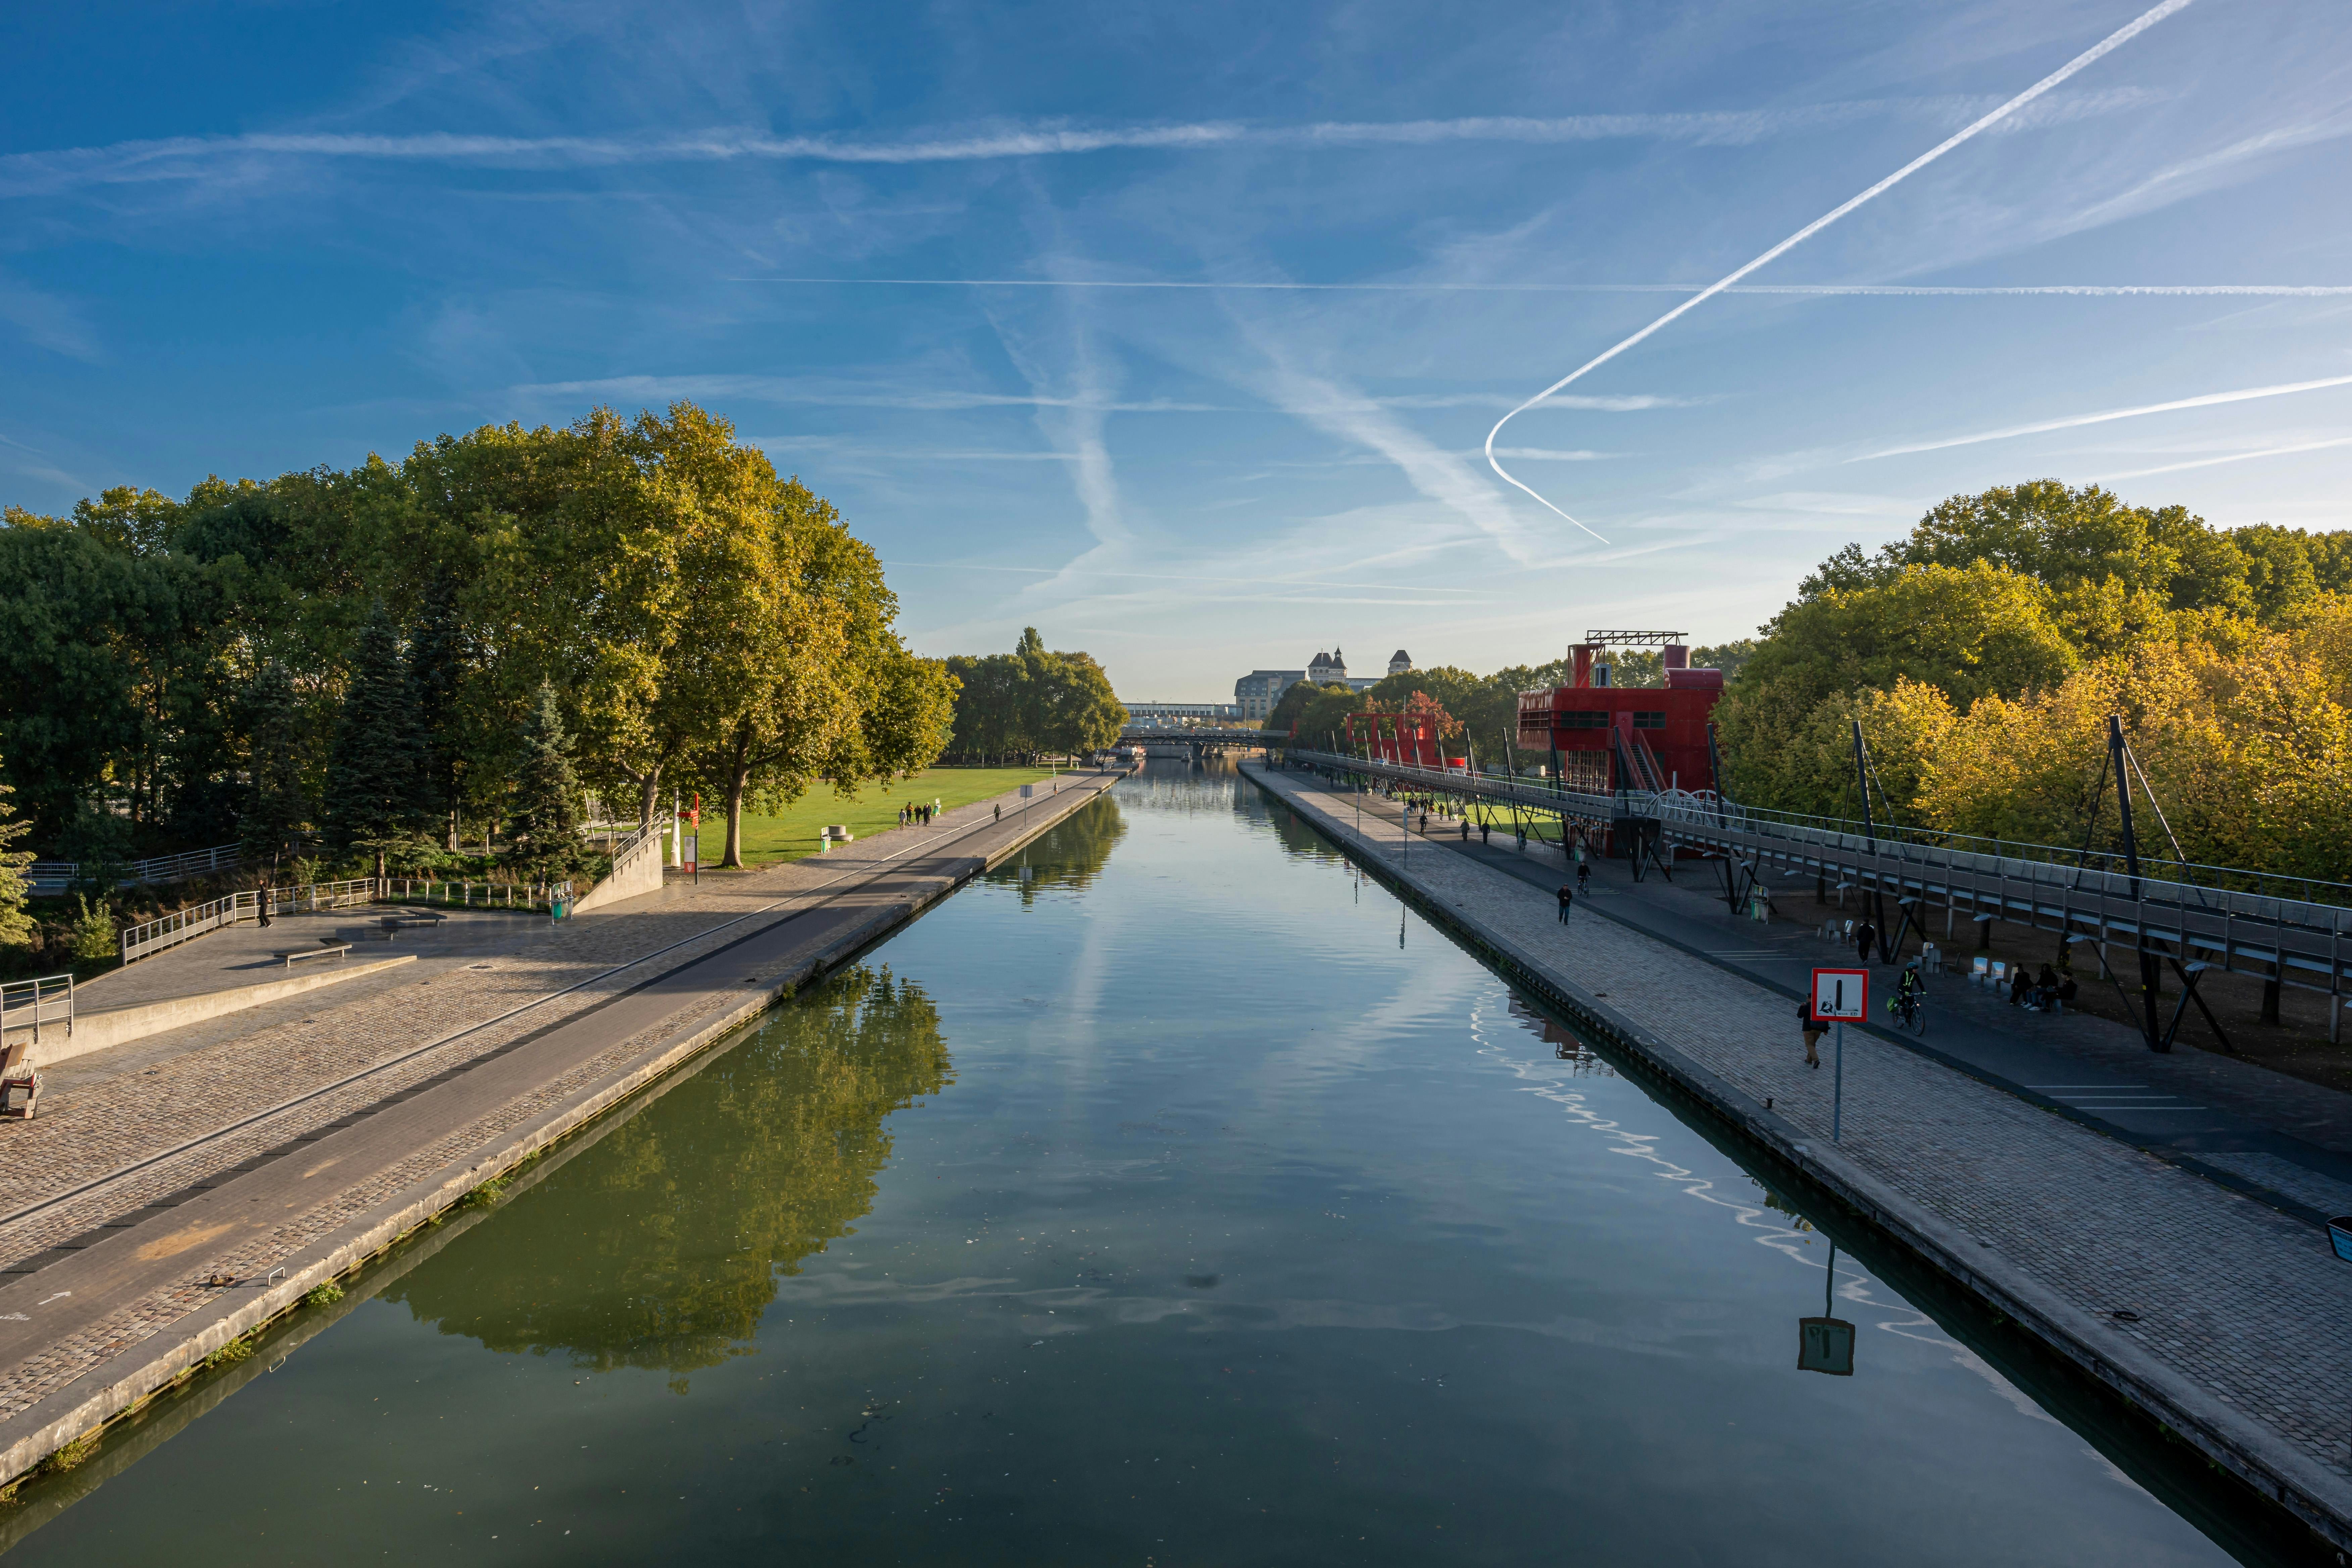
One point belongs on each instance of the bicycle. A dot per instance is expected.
(1909, 1013)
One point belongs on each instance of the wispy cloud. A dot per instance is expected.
(2233, 458)
(1432, 470)
(1889, 291)
(2071, 422)
(1170, 577)
(652, 391)
(47, 321)
(183, 157)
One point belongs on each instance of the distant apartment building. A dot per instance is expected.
(1256, 693)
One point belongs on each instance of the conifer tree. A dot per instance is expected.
(16, 925)
(371, 805)
(435, 664)
(545, 823)
(276, 805)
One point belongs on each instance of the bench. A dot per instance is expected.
(337, 948)
(392, 924)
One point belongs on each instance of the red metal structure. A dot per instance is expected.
(1600, 738)
(1410, 739)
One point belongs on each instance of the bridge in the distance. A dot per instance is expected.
(1201, 740)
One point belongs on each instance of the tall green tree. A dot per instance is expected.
(545, 823)
(1034, 699)
(277, 800)
(437, 672)
(372, 804)
(16, 925)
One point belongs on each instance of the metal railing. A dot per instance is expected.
(57, 876)
(151, 937)
(629, 841)
(472, 895)
(2295, 930)
(29, 1004)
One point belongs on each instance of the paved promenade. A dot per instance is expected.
(2280, 1138)
(2239, 1335)
(173, 1199)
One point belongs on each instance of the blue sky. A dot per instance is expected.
(247, 238)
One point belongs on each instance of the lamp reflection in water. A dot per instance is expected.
(1825, 1344)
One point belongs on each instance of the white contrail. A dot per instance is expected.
(2206, 401)
(1890, 290)
(2233, 458)
(2113, 40)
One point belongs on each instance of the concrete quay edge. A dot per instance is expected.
(2266, 1464)
(126, 1381)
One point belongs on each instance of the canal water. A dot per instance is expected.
(1173, 1197)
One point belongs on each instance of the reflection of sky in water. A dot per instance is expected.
(1213, 1228)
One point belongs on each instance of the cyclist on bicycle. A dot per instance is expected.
(1583, 871)
(1910, 991)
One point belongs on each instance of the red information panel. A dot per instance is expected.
(1840, 995)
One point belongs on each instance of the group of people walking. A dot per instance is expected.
(917, 814)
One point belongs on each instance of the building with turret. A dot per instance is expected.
(1400, 663)
(1256, 692)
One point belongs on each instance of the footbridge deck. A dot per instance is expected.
(2301, 936)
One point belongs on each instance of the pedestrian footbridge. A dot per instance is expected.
(2286, 930)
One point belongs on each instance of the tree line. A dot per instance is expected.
(1982, 653)
(382, 662)
(1031, 701)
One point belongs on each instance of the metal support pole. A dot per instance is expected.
(1837, 1090)
(2149, 972)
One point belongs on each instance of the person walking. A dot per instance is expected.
(262, 900)
(1484, 830)
(1566, 898)
(1000, 811)
(1864, 935)
(1815, 1029)
(1466, 830)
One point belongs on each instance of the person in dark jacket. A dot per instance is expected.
(1567, 897)
(2018, 986)
(1864, 935)
(1815, 1029)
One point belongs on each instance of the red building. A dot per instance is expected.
(1599, 738)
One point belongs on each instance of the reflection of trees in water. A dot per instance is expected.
(658, 1247)
(1072, 854)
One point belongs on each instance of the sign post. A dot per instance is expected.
(1840, 994)
(1027, 791)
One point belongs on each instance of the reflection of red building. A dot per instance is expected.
(1602, 738)
(1410, 739)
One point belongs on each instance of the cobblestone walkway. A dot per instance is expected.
(106, 1124)
(2231, 1294)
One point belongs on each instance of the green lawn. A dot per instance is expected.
(792, 835)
